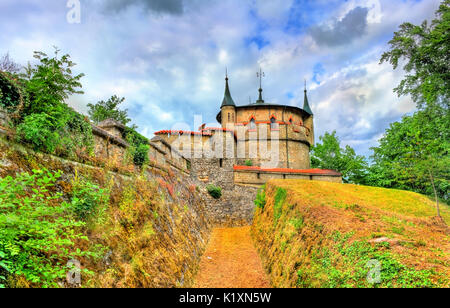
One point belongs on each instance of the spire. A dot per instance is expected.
(227, 100)
(260, 75)
(306, 106)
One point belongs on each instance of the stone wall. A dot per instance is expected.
(234, 209)
(260, 177)
(109, 145)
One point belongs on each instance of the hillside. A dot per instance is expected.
(128, 227)
(318, 234)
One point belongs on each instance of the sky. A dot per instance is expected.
(168, 57)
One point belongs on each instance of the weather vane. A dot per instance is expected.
(260, 75)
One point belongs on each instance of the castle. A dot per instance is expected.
(256, 142)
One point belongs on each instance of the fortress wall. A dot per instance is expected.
(234, 209)
(260, 177)
(298, 155)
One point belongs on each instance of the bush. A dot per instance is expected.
(139, 147)
(38, 131)
(87, 199)
(140, 156)
(59, 131)
(10, 92)
(248, 163)
(38, 231)
(260, 201)
(214, 191)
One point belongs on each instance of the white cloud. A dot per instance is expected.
(171, 65)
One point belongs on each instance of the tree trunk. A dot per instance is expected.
(435, 193)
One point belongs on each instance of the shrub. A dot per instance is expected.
(140, 156)
(214, 191)
(249, 163)
(88, 199)
(260, 201)
(11, 92)
(139, 147)
(38, 231)
(38, 131)
(59, 131)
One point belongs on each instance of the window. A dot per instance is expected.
(252, 123)
(290, 121)
(221, 163)
(229, 117)
(273, 123)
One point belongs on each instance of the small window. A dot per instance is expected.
(290, 121)
(273, 123)
(252, 124)
(221, 163)
(229, 117)
(259, 176)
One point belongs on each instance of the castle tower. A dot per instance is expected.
(228, 108)
(309, 122)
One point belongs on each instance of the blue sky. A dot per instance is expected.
(168, 57)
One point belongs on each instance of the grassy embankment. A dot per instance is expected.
(319, 234)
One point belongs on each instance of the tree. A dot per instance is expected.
(413, 155)
(330, 155)
(426, 50)
(109, 110)
(46, 121)
(8, 65)
(50, 82)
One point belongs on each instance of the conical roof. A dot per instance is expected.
(227, 100)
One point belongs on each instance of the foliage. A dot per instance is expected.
(88, 199)
(61, 131)
(50, 82)
(140, 156)
(426, 50)
(214, 191)
(38, 231)
(39, 131)
(330, 155)
(411, 151)
(354, 258)
(108, 110)
(260, 201)
(46, 122)
(11, 92)
(139, 146)
(249, 163)
(280, 198)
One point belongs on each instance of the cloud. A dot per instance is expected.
(160, 6)
(172, 68)
(343, 31)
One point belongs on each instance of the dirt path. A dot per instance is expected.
(231, 261)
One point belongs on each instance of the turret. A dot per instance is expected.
(228, 108)
(309, 120)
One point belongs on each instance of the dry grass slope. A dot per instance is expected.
(318, 234)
